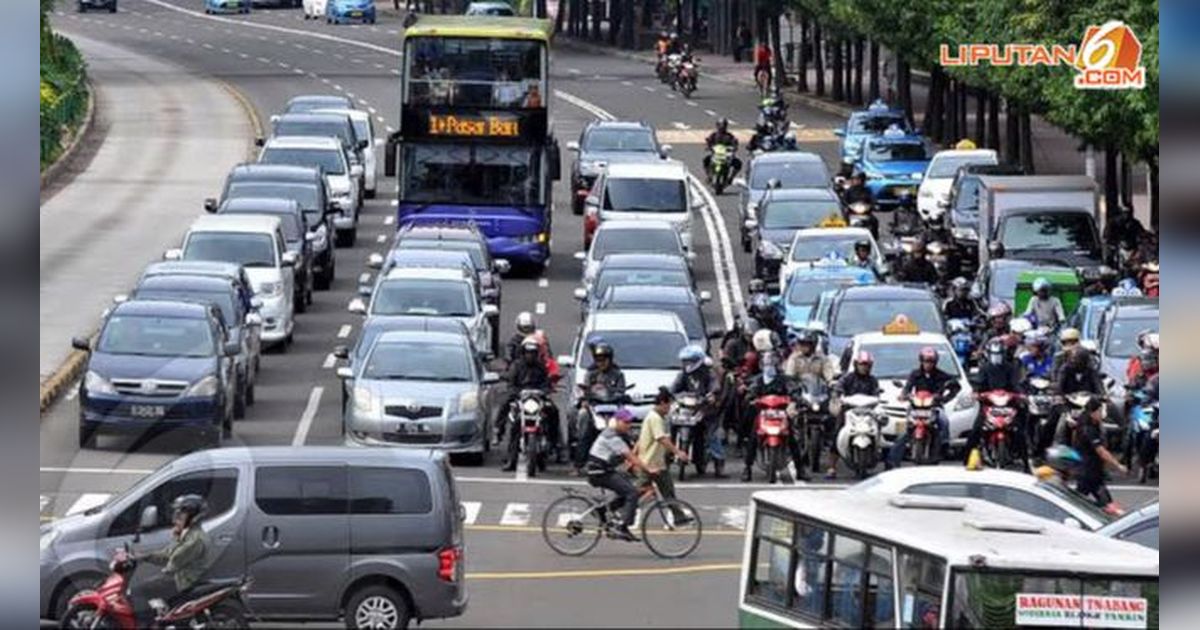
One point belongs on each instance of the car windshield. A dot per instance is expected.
(224, 301)
(335, 129)
(307, 195)
(292, 230)
(471, 174)
(946, 166)
(807, 292)
(798, 174)
(411, 296)
(645, 195)
(1052, 231)
(478, 255)
(157, 336)
(248, 249)
(1120, 342)
(641, 350)
(897, 360)
(816, 248)
(860, 316)
(634, 277)
(638, 140)
(689, 314)
(634, 242)
(324, 102)
(418, 361)
(876, 123)
(330, 160)
(781, 214)
(897, 151)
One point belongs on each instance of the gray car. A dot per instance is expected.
(419, 389)
(788, 169)
(607, 142)
(322, 533)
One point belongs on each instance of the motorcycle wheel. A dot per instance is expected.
(1000, 456)
(814, 445)
(858, 463)
(531, 456)
(227, 614)
(687, 89)
(85, 616)
(778, 464)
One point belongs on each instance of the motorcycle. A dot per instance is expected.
(720, 167)
(662, 69)
(773, 117)
(599, 407)
(962, 340)
(906, 221)
(1069, 419)
(673, 62)
(530, 415)
(108, 605)
(1040, 403)
(862, 214)
(858, 441)
(684, 420)
(923, 447)
(1142, 442)
(772, 141)
(999, 418)
(814, 409)
(685, 79)
(772, 427)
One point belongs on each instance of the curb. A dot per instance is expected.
(52, 172)
(251, 113)
(61, 379)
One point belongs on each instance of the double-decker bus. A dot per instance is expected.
(474, 143)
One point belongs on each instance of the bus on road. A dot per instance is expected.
(474, 143)
(841, 558)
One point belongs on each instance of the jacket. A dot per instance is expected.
(780, 386)
(816, 364)
(1006, 376)
(918, 270)
(1033, 366)
(717, 137)
(702, 382)
(940, 383)
(853, 384)
(185, 559)
(525, 375)
(612, 379)
(959, 309)
(1072, 380)
(856, 194)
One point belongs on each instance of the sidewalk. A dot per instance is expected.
(166, 139)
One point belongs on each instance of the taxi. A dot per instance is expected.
(895, 348)
(894, 164)
(798, 300)
(812, 245)
(865, 124)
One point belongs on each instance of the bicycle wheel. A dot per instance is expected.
(571, 526)
(664, 533)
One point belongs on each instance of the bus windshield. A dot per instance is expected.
(475, 72)
(471, 174)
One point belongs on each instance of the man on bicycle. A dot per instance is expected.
(607, 453)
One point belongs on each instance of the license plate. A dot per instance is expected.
(356, 14)
(414, 427)
(147, 411)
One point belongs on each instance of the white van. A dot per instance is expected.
(656, 191)
(257, 243)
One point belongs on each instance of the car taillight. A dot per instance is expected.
(448, 560)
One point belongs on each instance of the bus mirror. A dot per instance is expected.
(554, 157)
(389, 154)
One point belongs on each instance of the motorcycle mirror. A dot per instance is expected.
(897, 382)
(565, 361)
(666, 150)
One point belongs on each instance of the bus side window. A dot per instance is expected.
(921, 580)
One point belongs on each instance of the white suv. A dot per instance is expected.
(657, 191)
(364, 129)
(342, 178)
(939, 176)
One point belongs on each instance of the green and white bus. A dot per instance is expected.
(841, 558)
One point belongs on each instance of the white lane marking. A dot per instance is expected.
(627, 83)
(391, 129)
(379, 142)
(243, 55)
(337, 87)
(373, 112)
(87, 502)
(395, 72)
(364, 278)
(693, 104)
(671, 97)
(226, 51)
(379, 119)
(324, 80)
(540, 308)
(329, 362)
(681, 126)
(350, 95)
(379, 66)
(710, 112)
(471, 511)
(573, 70)
(543, 283)
(734, 518)
(647, 88)
(584, 105)
(264, 60)
(382, 238)
(734, 122)
(72, 393)
(344, 331)
(722, 286)
(298, 71)
(96, 471)
(43, 501)
(310, 411)
(515, 514)
(389, 219)
(722, 254)
(282, 65)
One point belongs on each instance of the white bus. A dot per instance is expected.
(829, 558)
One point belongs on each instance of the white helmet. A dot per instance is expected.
(763, 340)
(525, 323)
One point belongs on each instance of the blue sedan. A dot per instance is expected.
(226, 6)
(342, 11)
(865, 124)
(894, 163)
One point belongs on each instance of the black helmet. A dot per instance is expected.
(805, 336)
(862, 243)
(193, 505)
(757, 285)
(722, 124)
(602, 349)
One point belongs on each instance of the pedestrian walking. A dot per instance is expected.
(741, 42)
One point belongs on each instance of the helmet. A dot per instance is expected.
(1148, 340)
(1069, 335)
(805, 336)
(858, 174)
(928, 353)
(1040, 284)
(1063, 458)
(864, 358)
(763, 340)
(193, 505)
(999, 309)
(525, 323)
(530, 344)
(862, 243)
(757, 285)
(1035, 338)
(1128, 284)
(691, 356)
(722, 124)
(1020, 325)
(965, 144)
(960, 284)
(602, 349)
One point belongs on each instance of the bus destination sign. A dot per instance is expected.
(475, 126)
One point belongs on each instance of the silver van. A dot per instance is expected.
(372, 536)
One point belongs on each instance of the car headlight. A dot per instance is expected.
(206, 386)
(965, 234)
(364, 403)
(271, 289)
(468, 402)
(963, 402)
(589, 169)
(770, 250)
(97, 384)
(537, 237)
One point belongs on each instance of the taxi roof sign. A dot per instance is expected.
(834, 220)
(878, 106)
(894, 131)
(901, 325)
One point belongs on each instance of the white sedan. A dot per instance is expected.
(314, 9)
(1019, 491)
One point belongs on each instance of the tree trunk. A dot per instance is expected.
(933, 105)
(874, 81)
(1153, 192)
(904, 80)
(980, 116)
(596, 12)
(1026, 141)
(1012, 134)
(1111, 190)
(962, 110)
(857, 97)
(1126, 181)
(993, 130)
(818, 58)
(835, 63)
(951, 127)
(628, 25)
(777, 51)
(848, 66)
(802, 63)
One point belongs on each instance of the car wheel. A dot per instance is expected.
(377, 607)
(346, 238)
(87, 436)
(112, 9)
(239, 399)
(250, 394)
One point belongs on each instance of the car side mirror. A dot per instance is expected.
(580, 294)
(364, 290)
(996, 249)
(1071, 521)
(573, 146)
(841, 133)
(358, 305)
(173, 254)
(750, 224)
(490, 378)
(120, 298)
(592, 202)
(341, 352)
(363, 144)
(345, 372)
(253, 319)
(565, 361)
(289, 259)
(375, 261)
(260, 141)
(581, 256)
(666, 150)
(210, 205)
(274, 118)
(356, 170)
(491, 310)
(149, 518)
(501, 266)
(774, 183)
(705, 296)
(79, 343)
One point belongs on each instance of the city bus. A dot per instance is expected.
(474, 143)
(822, 558)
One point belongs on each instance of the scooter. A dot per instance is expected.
(1143, 436)
(772, 427)
(858, 441)
(862, 214)
(814, 409)
(923, 447)
(962, 340)
(530, 415)
(719, 167)
(599, 408)
(108, 605)
(673, 61)
(684, 420)
(1040, 403)
(999, 418)
(686, 77)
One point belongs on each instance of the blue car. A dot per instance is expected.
(226, 6)
(798, 300)
(868, 123)
(894, 163)
(159, 366)
(342, 11)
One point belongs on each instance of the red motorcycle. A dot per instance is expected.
(999, 418)
(108, 605)
(923, 447)
(772, 428)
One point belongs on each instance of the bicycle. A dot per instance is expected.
(573, 524)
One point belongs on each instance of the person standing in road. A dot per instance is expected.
(605, 456)
(653, 444)
(1090, 442)
(741, 43)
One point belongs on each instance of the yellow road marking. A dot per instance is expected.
(593, 573)
(529, 529)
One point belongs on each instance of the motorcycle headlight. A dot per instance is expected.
(963, 402)
(271, 289)
(206, 386)
(935, 248)
(859, 208)
(364, 403)
(468, 402)
(770, 250)
(531, 406)
(965, 234)
(97, 384)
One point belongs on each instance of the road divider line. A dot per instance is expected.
(726, 253)
(540, 308)
(543, 283)
(382, 238)
(389, 219)
(718, 272)
(306, 419)
(598, 573)
(364, 278)
(344, 331)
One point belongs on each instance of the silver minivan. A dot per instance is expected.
(372, 536)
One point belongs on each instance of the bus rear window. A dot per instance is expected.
(1003, 600)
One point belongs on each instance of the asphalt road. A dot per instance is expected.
(270, 56)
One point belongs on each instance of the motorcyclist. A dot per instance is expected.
(960, 305)
(999, 318)
(1036, 361)
(770, 381)
(999, 372)
(858, 192)
(1068, 338)
(603, 379)
(1123, 229)
(807, 358)
(1078, 374)
(674, 44)
(529, 372)
(862, 255)
(735, 343)
(184, 560)
(856, 382)
(1046, 309)
(762, 131)
(927, 377)
(696, 377)
(760, 308)
(1145, 364)
(721, 135)
(663, 44)
(526, 326)
(918, 268)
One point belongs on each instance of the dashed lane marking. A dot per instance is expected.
(733, 518)
(389, 219)
(543, 283)
(329, 361)
(382, 238)
(681, 126)
(540, 308)
(647, 88)
(364, 278)
(344, 331)
(310, 412)
(515, 514)
(471, 511)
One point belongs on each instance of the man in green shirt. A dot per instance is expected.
(185, 560)
(653, 444)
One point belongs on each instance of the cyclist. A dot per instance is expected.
(605, 456)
